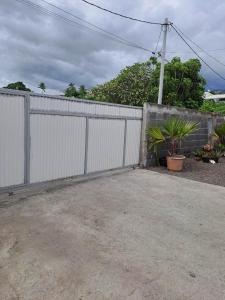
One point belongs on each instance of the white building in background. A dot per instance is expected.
(216, 98)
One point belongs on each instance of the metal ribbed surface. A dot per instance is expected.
(51, 104)
(11, 140)
(105, 144)
(57, 147)
(133, 142)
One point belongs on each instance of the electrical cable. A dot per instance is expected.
(95, 26)
(196, 53)
(202, 50)
(157, 44)
(188, 52)
(72, 22)
(120, 15)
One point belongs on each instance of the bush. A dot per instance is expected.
(212, 106)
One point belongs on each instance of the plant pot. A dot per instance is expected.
(163, 162)
(175, 163)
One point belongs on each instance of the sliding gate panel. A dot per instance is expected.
(57, 146)
(11, 140)
(105, 144)
(133, 141)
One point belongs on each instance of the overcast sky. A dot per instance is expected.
(37, 47)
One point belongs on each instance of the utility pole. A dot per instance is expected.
(163, 55)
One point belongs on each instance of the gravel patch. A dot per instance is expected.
(199, 171)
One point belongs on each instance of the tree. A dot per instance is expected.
(82, 92)
(42, 86)
(71, 91)
(17, 86)
(183, 84)
(131, 86)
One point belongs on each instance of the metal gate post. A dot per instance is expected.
(27, 139)
(125, 143)
(86, 145)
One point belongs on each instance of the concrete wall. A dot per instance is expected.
(154, 115)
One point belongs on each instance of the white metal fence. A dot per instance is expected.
(44, 137)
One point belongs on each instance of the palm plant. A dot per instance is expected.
(156, 138)
(42, 86)
(175, 130)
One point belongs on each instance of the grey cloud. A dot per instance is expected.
(36, 47)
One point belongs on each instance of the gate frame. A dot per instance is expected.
(27, 137)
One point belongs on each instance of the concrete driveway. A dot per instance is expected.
(137, 235)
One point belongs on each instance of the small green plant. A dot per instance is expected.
(209, 152)
(198, 154)
(219, 133)
(172, 131)
(155, 139)
(175, 130)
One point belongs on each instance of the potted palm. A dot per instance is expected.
(172, 131)
(175, 130)
(155, 139)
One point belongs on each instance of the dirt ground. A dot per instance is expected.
(137, 235)
(199, 171)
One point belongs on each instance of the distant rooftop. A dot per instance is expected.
(211, 95)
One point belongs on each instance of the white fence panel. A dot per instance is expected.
(44, 137)
(47, 103)
(133, 142)
(57, 147)
(11, 140)
(105, 144)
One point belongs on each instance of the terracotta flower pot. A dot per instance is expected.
(175, 163)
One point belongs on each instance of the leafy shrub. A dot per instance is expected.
(212, 106)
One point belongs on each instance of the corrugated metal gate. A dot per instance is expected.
(43, 138)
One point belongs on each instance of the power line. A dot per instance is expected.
(202, 50)
(187, 52)
(196, 53)
(157, 44)
(72, 22)
(120, 15)
(95, 26)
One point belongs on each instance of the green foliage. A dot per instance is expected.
(173, 130)
(19, 85)
(155, 139)
(82, 92)
(71, 91)
(183, 85)
(131, 86)
(220, 130)
(219, 133)
(42, 86)
(210, 152)
(212, 106)
(176, 130)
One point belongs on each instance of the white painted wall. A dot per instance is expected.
(11, 140)
(57, 147)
